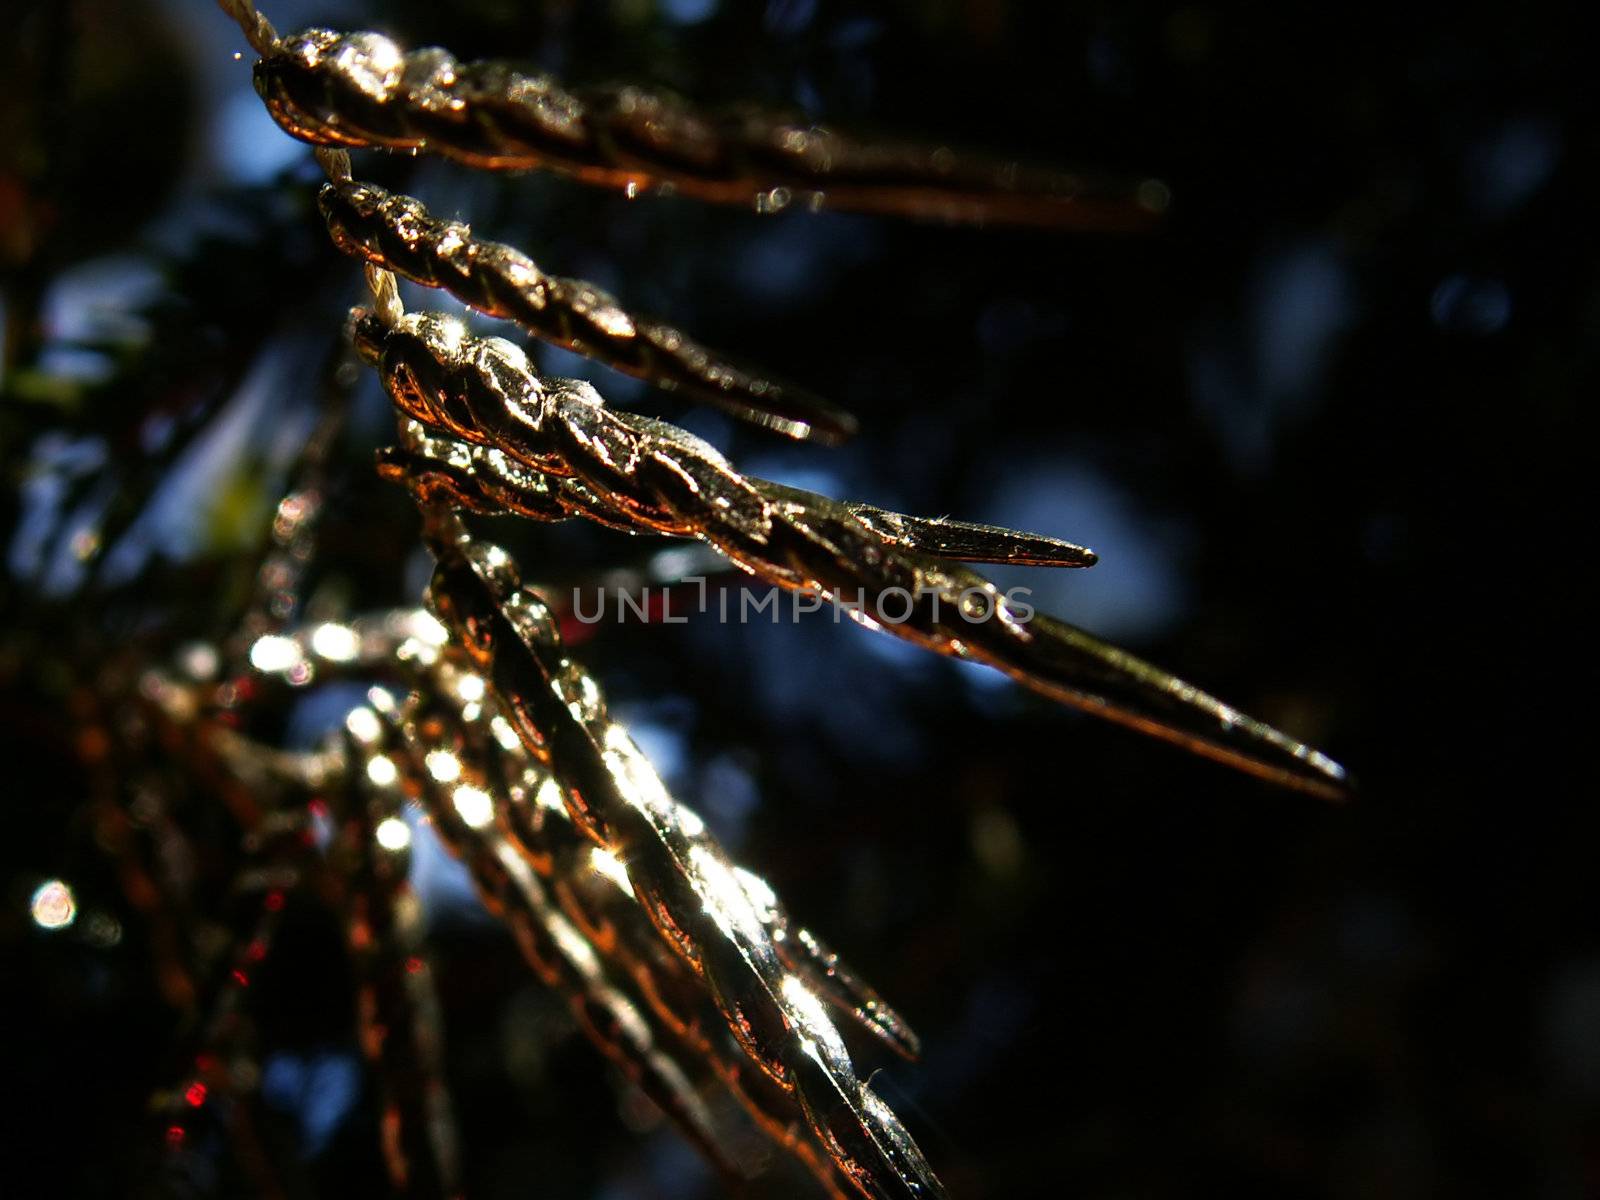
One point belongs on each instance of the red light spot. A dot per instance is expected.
(196, 1095)
(174, 1135)
(241, 978)
(256, 951)
(274, 901)
(414, 965)
(319, 809)
(573, 631)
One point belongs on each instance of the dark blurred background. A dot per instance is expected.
(1319, 425)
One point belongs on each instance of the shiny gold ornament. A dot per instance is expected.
(682, 967)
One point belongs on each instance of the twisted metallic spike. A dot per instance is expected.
(484, 480)
(677, 870)
(398, 234)
(460, 808)
(594, 891)
(536, 818)
(621, 468)
(361, 90)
